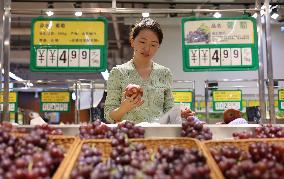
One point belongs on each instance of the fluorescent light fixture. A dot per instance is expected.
(49, 13)
(217, 15)
(145, 14)
(105, 75)
(254, 15)
(78, 13)
(274, 16)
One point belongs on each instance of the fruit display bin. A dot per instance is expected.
(242, 144)
(104, 145)
(68, 143)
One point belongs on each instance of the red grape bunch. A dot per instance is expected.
(28, 157)
(262, 160)
(178, 162)
(49, 130)
(99, 130)
(125, 161)
(265, 131)
(89, 158)
(195, 129)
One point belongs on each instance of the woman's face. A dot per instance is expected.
(145, 44)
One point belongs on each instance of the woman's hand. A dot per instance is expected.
(129, 103)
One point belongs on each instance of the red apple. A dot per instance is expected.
(133, 89)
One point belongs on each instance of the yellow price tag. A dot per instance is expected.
(50, 32)
(281, 95)
(12, 97)
(275, 103)
(49, 97)
(202, 104)
(253, 103)
(182, 96)
(244, 103)
(227, 95)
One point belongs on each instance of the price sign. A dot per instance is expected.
(183, 97)
(227, 99)
(281, 99)
(223, 44)
(13, 101)
(69, 44)
(252, 103)
(55, 101)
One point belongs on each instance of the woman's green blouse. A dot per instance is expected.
(157, 94)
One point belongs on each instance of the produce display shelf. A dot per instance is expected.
(168, 130)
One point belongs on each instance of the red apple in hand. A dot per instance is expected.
(186, 112)
(133, 89)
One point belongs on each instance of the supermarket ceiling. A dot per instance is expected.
(119, 25)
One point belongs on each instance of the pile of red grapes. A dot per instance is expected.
(99, 130)
(7, 126)
(195, 129)
(28, 157)
(265, 131)
(133, 160)
(262, 160)
(49, 130)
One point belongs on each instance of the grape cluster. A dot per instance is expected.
(265, 131)
(269, 131)
(48, 129)
(197, 36)
(89, 158)
(7, 126)
(99, 130)
(28, 157)
(133, 160)
(195, 129)
(243, 135)
(126, 160)
(262, 160)
(178, 162)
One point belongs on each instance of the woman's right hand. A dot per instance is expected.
(129, 103)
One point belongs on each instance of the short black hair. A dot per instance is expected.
(146, 23)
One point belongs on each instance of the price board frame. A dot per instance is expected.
(95, 54)
(281, 100)
(10, 102)
(189, 102)
(242, 48)
(52, 102)
(215, 102)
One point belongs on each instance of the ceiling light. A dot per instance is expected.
(217, 15)
(49, 13)
(145, 14)
(274, 16)
(78, 13)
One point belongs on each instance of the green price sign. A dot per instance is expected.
(223, 44)
(13, 101)
(69, 44)
(281, 99)
(227, 99)
(183, 97)
(55, 101)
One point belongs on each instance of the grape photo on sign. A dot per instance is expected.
(223, 44)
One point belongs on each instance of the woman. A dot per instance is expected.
(155, 80)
